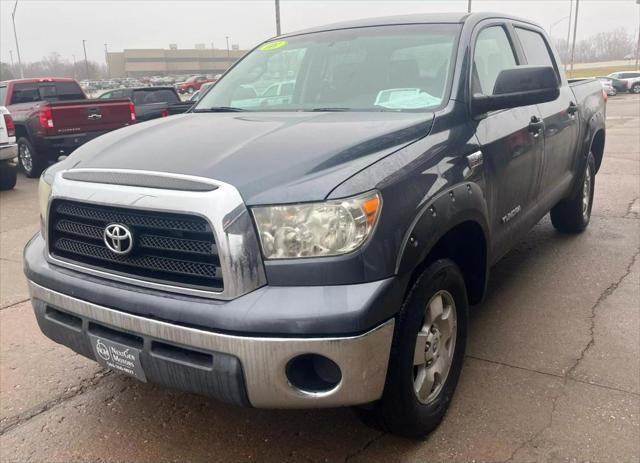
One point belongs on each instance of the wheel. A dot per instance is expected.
(572, 215)
(635, 88)
(426, 355)
(31, 163)
(8, 176)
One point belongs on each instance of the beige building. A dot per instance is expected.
(149, 62)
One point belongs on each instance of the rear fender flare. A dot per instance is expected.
(594, 126)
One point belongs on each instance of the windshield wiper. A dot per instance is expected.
(219, 109)
(330, 109)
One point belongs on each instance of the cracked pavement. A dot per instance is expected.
(552, 372)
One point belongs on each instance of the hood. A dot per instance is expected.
(270, 157)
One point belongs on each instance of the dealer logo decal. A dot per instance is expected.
(102, 350)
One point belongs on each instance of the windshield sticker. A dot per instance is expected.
(273, 45)
(405, 98)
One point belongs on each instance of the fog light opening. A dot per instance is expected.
(313, 373)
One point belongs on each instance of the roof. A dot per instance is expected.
(153, 87)
(32, 80)
(428, 18)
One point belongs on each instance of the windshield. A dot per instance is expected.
(395, 68)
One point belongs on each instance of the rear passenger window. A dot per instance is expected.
(535, 47)
(25, 93)
(493, 53)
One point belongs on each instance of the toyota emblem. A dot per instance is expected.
(118, 238)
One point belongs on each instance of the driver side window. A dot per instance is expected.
(493, 53)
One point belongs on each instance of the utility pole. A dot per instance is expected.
(277, 17)
(86, 63)
(638, 44)
(227, 37)
(15, 36)
(469, 6)
(575, 29)
(74, 66)
(566, 49)
(106, 58)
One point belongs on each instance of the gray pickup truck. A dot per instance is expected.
(320, 247)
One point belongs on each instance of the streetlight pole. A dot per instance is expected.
(566, 48)
(227, 37)
(106, 58)
(86, 63)
(74, 66)
(469, 6)
(575, 29)
(277, 17)
(15, 36)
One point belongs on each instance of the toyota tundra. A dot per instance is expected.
(320, 248)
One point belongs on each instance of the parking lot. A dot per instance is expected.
(552, 370)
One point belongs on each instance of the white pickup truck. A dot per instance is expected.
(8, 150)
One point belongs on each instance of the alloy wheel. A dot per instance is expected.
(586, 193)
(435, 346)
(26, 159)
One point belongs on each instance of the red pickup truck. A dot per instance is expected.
(53, 117)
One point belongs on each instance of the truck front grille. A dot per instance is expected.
(168, 248)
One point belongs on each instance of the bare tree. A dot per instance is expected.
(54, 65)
(604, 46)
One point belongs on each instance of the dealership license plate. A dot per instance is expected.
(118, 357)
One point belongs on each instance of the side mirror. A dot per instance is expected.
(519, 86)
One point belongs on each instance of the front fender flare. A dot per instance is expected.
(463, 202)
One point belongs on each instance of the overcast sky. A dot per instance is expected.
(45, 26)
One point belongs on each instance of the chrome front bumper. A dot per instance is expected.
(362, 359)
(8, 151)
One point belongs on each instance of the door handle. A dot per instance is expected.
(572, 109)
(535, 126)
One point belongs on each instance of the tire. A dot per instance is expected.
(400, 410)
(635, 88)
(30, 162)
(8, 176)
(572, 215)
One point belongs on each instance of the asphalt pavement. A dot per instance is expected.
(552, 370)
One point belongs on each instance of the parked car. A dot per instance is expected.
(321, 251)
(617, 84)
(607, 86)
(8, 150)
(53, 117)
(150, 102)
(192, 84)
(631, 78)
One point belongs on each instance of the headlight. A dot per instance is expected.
(44, 193)
(322, 229)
